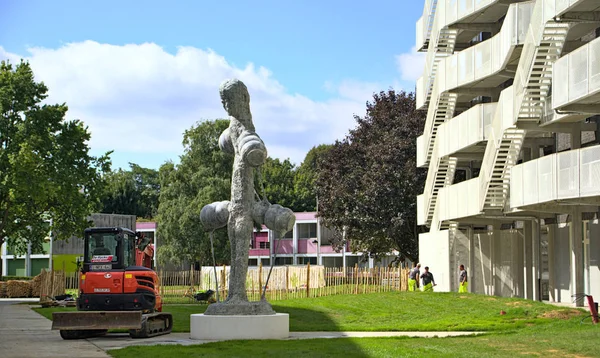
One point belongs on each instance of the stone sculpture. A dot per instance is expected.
(243, 209)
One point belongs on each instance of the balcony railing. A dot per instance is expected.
(480, 61)
(459, 200)
(446, 13)
(259, 252)
(579, 75)
(561, 176)
(466, 129)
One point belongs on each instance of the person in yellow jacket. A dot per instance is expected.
(464, 282)
(428, 280)
(413, 278)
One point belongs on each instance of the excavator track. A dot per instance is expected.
(153, 324)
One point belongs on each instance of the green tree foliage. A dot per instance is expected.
(305, 178)
(278, 181)
(368, 182)
(203, 176)
(132, 192)
(45, 169)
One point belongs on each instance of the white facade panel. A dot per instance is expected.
(437, 257)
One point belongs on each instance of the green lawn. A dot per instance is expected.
(527, 329)
(394, 311)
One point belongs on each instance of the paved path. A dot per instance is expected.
(24, 333)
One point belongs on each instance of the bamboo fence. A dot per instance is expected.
(285, 282)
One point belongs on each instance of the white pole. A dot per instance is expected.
(50, 260)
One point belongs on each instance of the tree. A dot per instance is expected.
(305, 179)
(202, 177)
(368, 183)
(46, 171)
(278, 181)
(134, 192)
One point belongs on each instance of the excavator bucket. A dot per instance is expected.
(96, 320)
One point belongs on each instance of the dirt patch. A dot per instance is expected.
(518, 304)
(491, 299)
(562, 314)
(531, 353)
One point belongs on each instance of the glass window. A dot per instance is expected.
(128, 251)
(307, 231)
(102, 247)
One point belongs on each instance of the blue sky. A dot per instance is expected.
(144, 69)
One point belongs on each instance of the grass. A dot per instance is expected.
(527, 329)
(575, 341)
(394, 311)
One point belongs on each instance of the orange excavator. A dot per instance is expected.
(118, 289)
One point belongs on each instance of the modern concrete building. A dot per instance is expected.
(511, 145)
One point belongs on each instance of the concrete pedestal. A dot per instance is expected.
(218, 327)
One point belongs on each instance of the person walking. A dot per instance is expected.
(413, 278)
(428, 280)
(463, 281)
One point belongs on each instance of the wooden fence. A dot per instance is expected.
(285, 282)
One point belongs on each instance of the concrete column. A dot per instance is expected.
(551, 279)
(528, 260)
(586, 257)
(518, 267)
(576, 245)
(536, 261)
(471, 269)
(295, 245)
(528, 243)
(496, 257)
(576, 137)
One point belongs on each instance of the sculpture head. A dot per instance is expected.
(235, 98)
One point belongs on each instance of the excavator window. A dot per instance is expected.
(102, 248)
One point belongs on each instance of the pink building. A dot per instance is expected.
(306, 243)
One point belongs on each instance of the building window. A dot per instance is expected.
(307, 231)
(265, 245)
(283, 261)
(307, 260)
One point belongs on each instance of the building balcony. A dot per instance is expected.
(476, 69)
(462, 133)
(259, 252)
(458, 22)
(459, 200)
(284, 246)
(307, 246)
(567, 177)
(579, 75)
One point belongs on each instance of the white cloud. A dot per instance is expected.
(138, 99)
(411, 65)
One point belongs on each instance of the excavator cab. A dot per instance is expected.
(114, 292)
(108, 249)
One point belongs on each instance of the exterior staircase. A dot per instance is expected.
(506, 155)
(430, 18)
(532, 87)
(443, 47)
(440, 174)
(443, 111)
(538, 83)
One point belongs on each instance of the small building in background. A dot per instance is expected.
(308, 242)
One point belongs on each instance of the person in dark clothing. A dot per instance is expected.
(428, 280)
